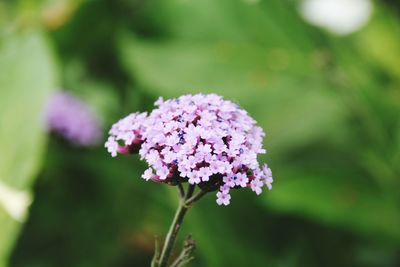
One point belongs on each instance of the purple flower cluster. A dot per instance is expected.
(73, 119)
(199, 139)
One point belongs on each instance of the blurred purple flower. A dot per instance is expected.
(73, 119)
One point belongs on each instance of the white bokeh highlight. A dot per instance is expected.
(341, 17)
(15, 202)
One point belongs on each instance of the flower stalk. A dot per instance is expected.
(186, 201)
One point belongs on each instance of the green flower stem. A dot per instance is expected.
(186, 201)
(194, 198)
(186, 253)
(181, 191)
(172, 234)
(154, 261)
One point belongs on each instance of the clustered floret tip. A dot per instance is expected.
(199, 139)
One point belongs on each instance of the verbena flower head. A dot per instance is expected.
(71, 118)
(199, 139)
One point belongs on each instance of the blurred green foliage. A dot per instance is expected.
(330, 106)
(27, 75)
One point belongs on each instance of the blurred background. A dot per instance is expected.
(322, 77)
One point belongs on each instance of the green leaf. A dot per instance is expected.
(273, 23)
(290, 101)
(27, 76)
(382, 36)
(238, 69)
(336, 201)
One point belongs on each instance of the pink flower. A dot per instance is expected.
(214, 167)
(194, 178)
(190, 162)
(127, 130)
(172, 140)
(224, 189)
(268, 176)
(169, 156)
(241, 179)
(152, 157)
(256, 186)
(223, 199)
(112, 146)
(204, 173)
(163, 172)
(229, 180)
(184, 171)
(220, 148)
(148, 174)
(204, 149)
(193, 138)
(224, 166)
